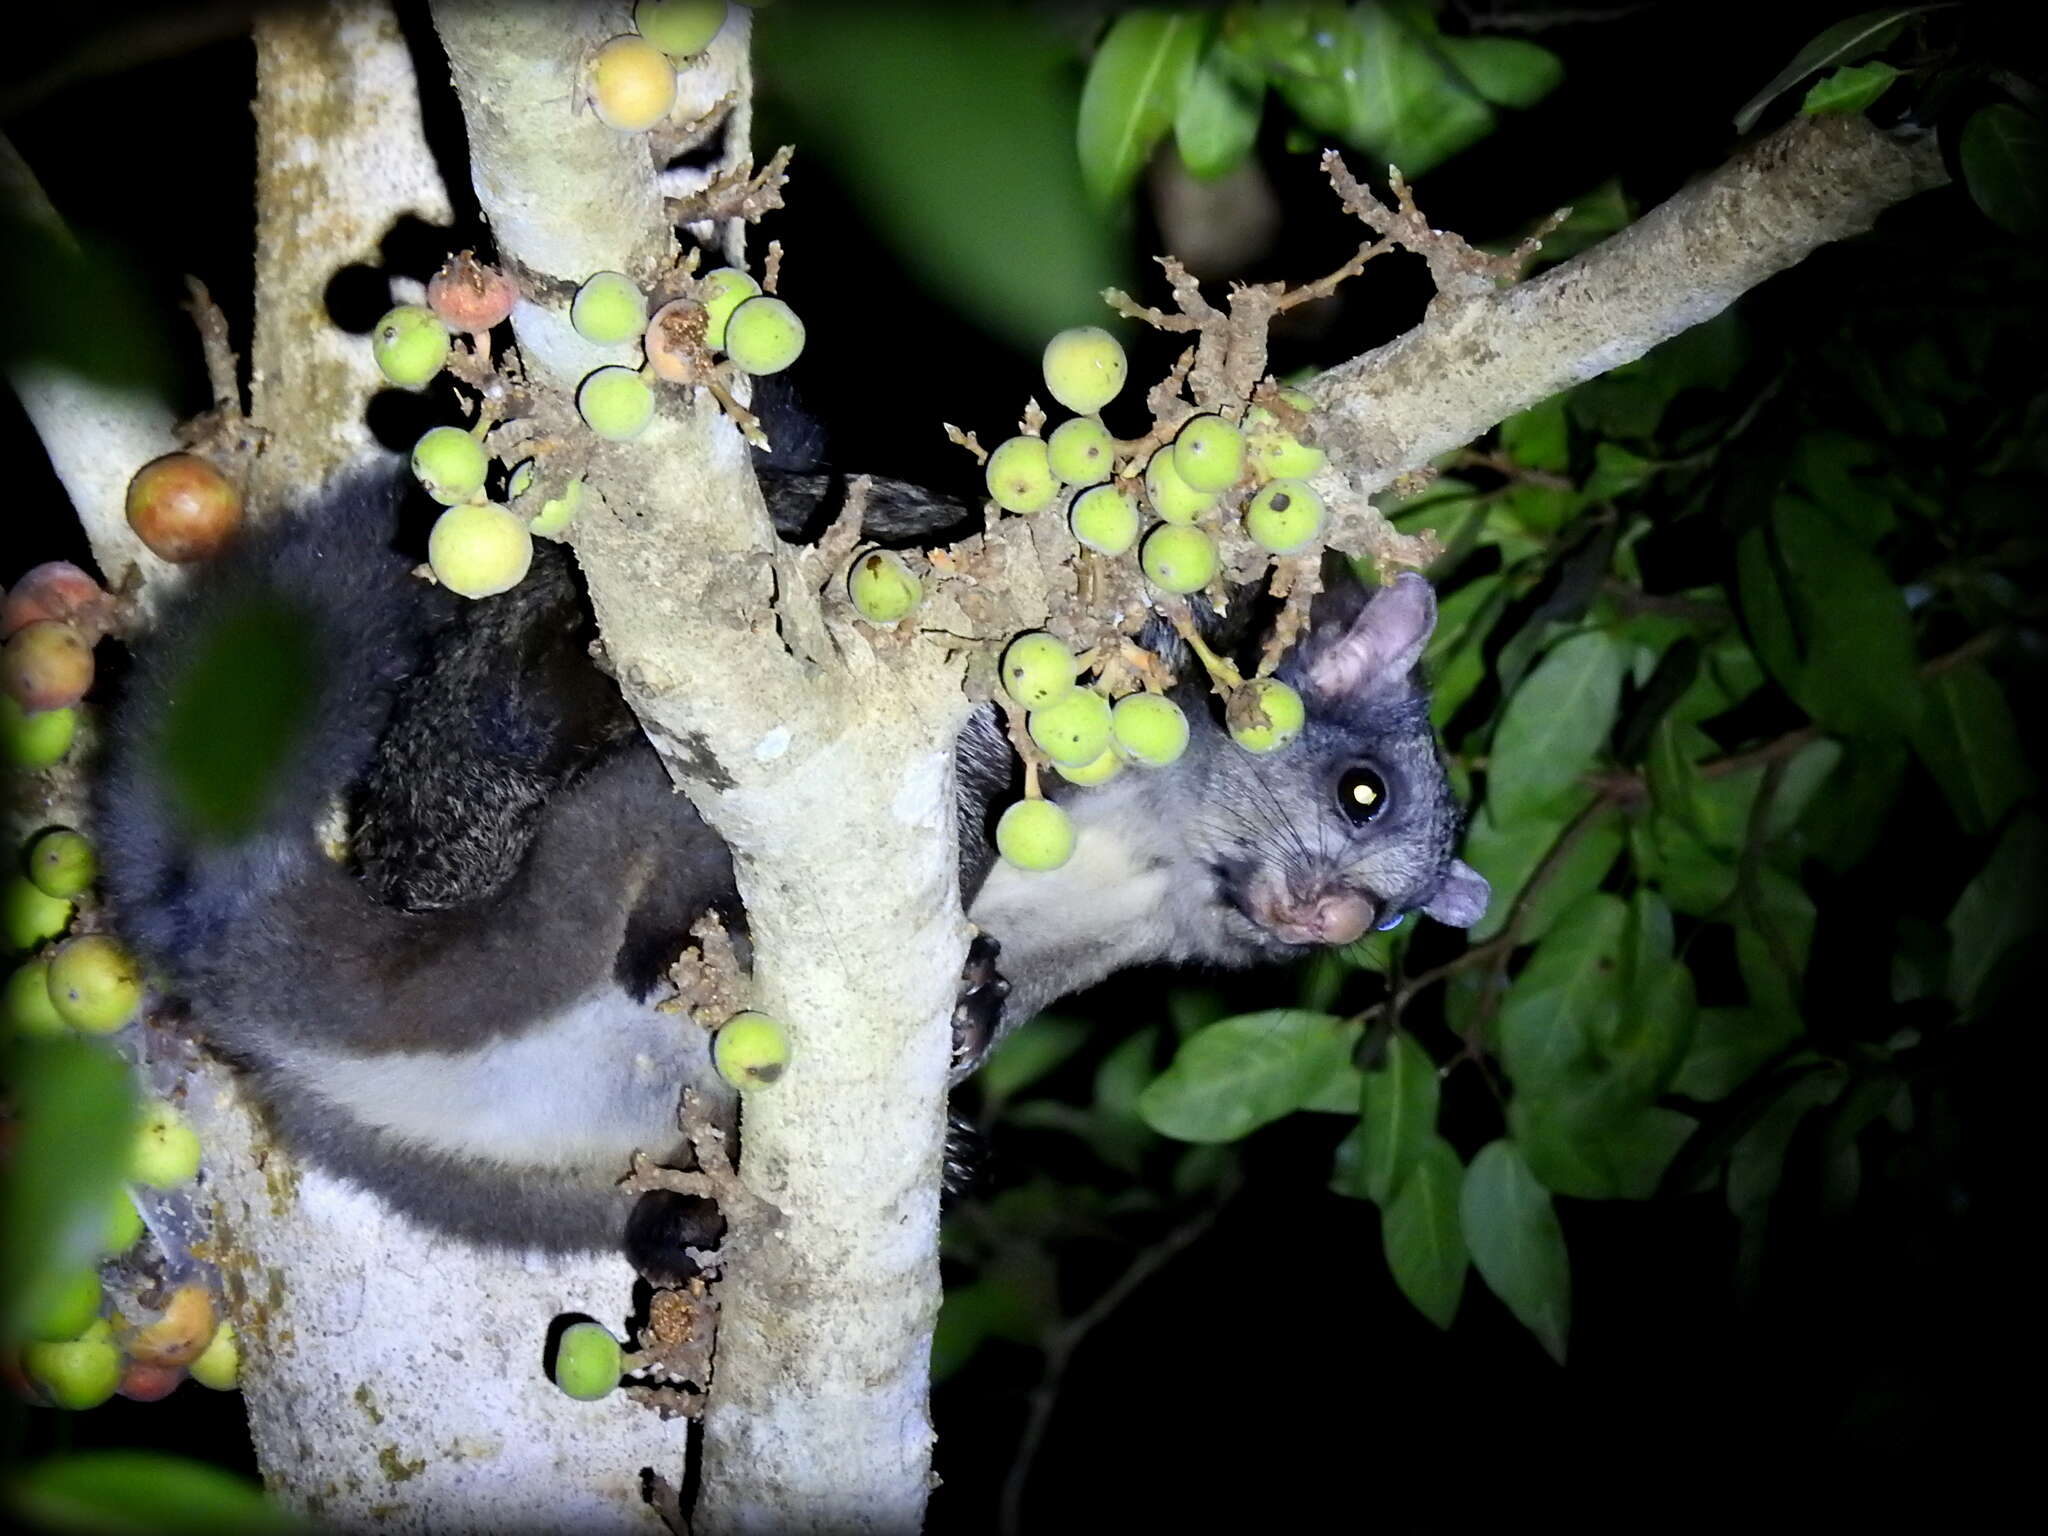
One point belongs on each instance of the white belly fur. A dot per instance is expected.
(585, 1089)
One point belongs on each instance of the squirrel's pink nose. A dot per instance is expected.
(1327, 917)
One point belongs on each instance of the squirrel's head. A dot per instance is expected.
(1351, 826)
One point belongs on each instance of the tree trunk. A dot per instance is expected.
(828, 773)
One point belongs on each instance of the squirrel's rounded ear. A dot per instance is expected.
(1381, 644)
(1460, 901)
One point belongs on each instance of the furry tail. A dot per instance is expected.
(482, 1061)
(258, 699)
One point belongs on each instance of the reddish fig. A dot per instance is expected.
(57, 589)
(182, 507)
(469, 296)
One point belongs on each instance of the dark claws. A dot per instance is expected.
(966, 1160)
(978, 1015)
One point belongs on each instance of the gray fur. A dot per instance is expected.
(337, 1000)
(1171, 865)
(459, 1018)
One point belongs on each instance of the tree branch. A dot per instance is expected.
(1061, 1342)
(96, 433)
(1479, 358)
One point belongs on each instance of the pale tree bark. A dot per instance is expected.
(827, 769)
(94, 432)
(1479, 357)
(393, 1377)
(340, 158)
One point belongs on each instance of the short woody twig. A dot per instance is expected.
(740, 193)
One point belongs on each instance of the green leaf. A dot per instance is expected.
(1828, 622)
(1338, 1093)
(1780, 903)
(1371, 951)
(147, 1493)
(1756, 1165)
(1654, 1026)
(1377, 75)
(1835, 470)
(1422, 1236)
(1598, 1144)
(2005, 904)
(1456, 657)
(1201, 1169)
(1671, 767)
(1554, 725)
(74, 1115)
(1774, 982)
(1616, 472)
(1969, 743)
(2004, 152)
(1117, 1132)
(1218, 121)
(1538, 438)
(1537, 510)
(1397, 1118)
(1657, 1029)
(1849, 90)
(1505, 70)
(1919, 961)
(1509, 855)
(1729, 673)
(1241, 1073)
(1728, 1046)
(1028, 1054)
(1564, 1000)
(80, 307)
(1691, 876)
(1014, 1300)
(1516, 1243)
(1844, 825)
(1141, 70)
(1799, 781)
(1323, 975)
(239, 716)
(967, 176)
(1406, 106)
(963, 1323)
(1443, 491)
(1843, 43)
(1722, 804)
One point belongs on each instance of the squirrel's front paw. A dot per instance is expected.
(979, 1011)
(664, 1229)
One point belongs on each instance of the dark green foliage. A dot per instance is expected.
(74, 1107)
(239, 714)
(1377, 76)
(116, 1491)
(1722, 632)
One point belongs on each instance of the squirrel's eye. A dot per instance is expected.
(1361, 794)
